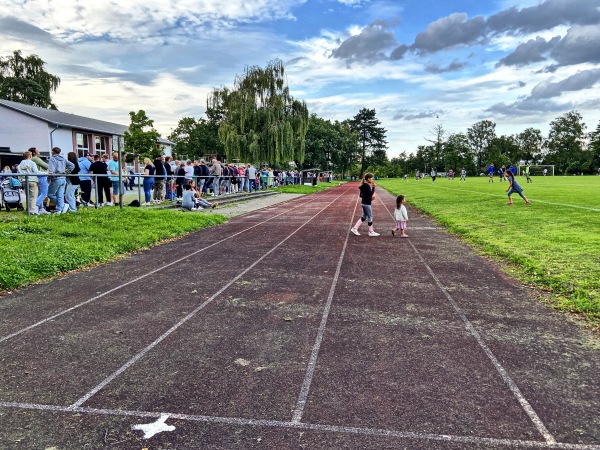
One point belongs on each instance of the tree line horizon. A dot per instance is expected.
(258, 121)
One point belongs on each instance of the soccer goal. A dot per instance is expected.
(537, 169)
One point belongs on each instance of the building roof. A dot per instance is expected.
(67, 120)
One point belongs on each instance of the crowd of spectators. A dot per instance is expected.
(164, 179)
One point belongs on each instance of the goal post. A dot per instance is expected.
(536, 169)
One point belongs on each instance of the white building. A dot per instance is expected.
(25, 126)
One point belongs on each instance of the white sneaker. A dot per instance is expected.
(373, 233)
(355, 231)
(43, 211)
(108, 204)
(65, 208)
(146, 204)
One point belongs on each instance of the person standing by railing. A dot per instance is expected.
(168, 178)
(99, 167)
(113, 169)
(159, 178)
(31, 182)
(42, 167)
(58, 166)
(72, 183)
(148, 179)
(215, 172)
(85, 181)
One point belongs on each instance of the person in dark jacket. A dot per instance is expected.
(367, 195)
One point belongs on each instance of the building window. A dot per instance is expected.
(101, 144)
(82, 143)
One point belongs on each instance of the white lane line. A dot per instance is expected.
(162, 337)
(507, 379)
(374, 432)
(141, 277)
(566, 205)
(312, 363)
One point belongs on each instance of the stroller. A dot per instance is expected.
(10, 189)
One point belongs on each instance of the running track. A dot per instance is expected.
(280, 329)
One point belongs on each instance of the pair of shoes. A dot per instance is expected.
(373, 233)
(393, 232)
(43, 211)
(214, 205)
(509, 203)
(527, 202)
(404, 236)
(355, 231)
(108, 204)
(65, 208)
(146, 204)
(194, 209)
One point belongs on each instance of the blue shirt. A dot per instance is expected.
(84, 168)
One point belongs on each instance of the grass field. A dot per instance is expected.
(35, 248)
(553, 243)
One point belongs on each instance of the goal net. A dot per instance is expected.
(536, 169)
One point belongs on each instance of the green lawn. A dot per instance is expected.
(35, 248)
(553, 243)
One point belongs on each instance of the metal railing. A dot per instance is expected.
(202, 182)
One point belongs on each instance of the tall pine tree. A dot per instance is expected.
(371, 136)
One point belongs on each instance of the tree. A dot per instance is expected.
(261, 121)
(530, 144)
(457, 154)
(438, 144)
(480, 137)
(24, 80)
(345, 154)
(196, 138)
(141, 137)
(504, 150)
(371, 136)
(594, 149)
(565, 141)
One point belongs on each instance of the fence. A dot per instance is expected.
(203, 183)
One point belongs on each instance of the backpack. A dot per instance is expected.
(14, 183)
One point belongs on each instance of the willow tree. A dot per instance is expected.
(261, 121)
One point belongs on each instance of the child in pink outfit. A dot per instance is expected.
(400, 216)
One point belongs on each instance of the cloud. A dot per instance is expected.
(533, 50)
(107, 74)
(398, 52)
(546, 15)
(16, 28)
(541, 99)
(452, 67)
(405, 114)
(453, 30)
(352, 2)
(136, 18)
(581, 44)
(519, 85)
(585, 79)
(369, 46)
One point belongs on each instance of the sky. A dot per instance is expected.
(418, 63)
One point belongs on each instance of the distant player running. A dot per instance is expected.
(529, 180)
(490, 172)
(463, 175)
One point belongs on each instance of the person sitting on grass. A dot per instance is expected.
(513, 186)
(192, 200)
